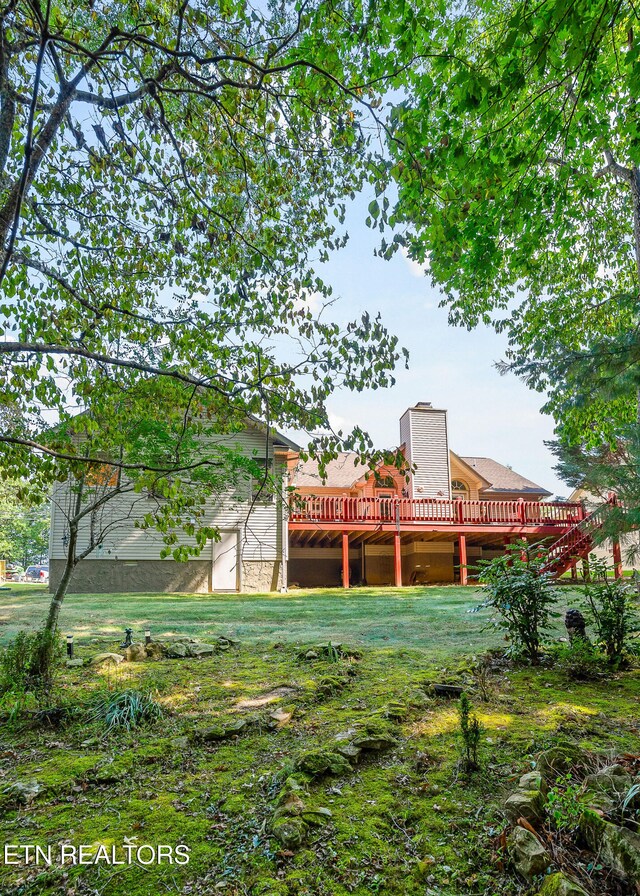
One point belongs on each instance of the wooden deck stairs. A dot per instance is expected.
(576, 543)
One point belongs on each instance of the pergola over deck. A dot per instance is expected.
(331, 521)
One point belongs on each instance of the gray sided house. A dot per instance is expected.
(251, 555)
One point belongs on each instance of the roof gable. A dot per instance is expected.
(503, 478)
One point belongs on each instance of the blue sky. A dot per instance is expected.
(489, 414)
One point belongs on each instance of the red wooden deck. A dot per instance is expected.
(432, 513)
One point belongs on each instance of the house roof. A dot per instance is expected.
(468, 469)
(277, 437)
(503, 479)
(345, 471)
(342, 472)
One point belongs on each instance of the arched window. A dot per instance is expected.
(459, 489)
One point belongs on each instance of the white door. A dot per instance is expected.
(225, 562)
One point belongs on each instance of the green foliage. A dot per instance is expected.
(203, 201)
(563, 805)
(579, 660)
(125, 709)
(522, 596)
(470, 733)
(630, 806)
(24, 528)
(27, 663)
(611, 610)
(516, 155)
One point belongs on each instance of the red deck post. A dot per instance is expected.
(522, 511)
(345, 559)
(617, 559)
(462, 543)
(397, 560)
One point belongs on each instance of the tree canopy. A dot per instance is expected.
(171, 172)
(516, 158)
(24, 531)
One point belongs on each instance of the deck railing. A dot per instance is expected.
(328, 509)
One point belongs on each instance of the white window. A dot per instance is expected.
(459, 489)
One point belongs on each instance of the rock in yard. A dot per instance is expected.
(135, 653)
(322, 762)
(75, 664)
(559, 760)
(106, 659)
(22, 792)
(532, 781)
(221, 732)
(528, 804)
(154, 650)
(317, 817)
(198, 649)
(178, 651)
(560, 885)
(616, 847)
(375, 742)
(527, 853)
(374, 734)
(291, 804)
(348, 750)
(289, 830)
(606, 789)
(279, 718)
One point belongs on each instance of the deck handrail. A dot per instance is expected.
(454, 512)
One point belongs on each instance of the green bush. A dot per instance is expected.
(28, 662)
(522, 595)
(125, 709)
(579, 660)
(609, 608)
(564, 805)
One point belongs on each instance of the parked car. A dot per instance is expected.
(37, 574)
(14, 572)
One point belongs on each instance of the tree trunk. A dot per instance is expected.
(57, 599)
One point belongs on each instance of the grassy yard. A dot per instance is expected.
(433, 619)
(404, 819)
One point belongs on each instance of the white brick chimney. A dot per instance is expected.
(423, 431)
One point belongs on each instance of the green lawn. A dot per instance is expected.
(404, 821)
(436, 619)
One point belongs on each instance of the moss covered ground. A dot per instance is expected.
(404, 820)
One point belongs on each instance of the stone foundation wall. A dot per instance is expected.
(118, 576)
(192, 577)
(261, 575)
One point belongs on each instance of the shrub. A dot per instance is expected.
(522, 596)
(470, 732)
(125, 709)
(610, 610)
(28, 662)
(579, 660)
(564, 806)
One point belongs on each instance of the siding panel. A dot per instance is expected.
(260, 528)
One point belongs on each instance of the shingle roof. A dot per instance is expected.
(502, 478)
(341, 472)
(344, 472)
